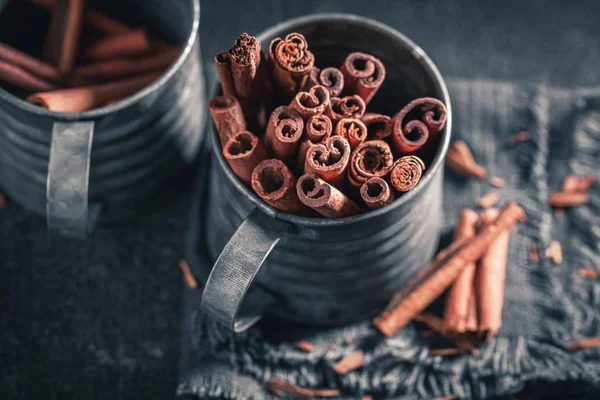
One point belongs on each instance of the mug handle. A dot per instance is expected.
(226, 296)
(67, 210)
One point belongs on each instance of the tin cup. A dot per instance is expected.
(111, 163)
(318, 271)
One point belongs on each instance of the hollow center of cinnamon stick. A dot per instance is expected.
(271, 179)
(222, 102)
(372, 161)
(242, 145)
(309, 187)
(415, 133)
(360, 64)
(374, 189)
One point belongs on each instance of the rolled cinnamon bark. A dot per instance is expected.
(363, 75)
(284, 131)
(324, 198)
(332, 78)
(353, 130)
(427, 285)
(18, 77)
(313, 102)
(121, 67)
(489, 278)
(64, 34)
(406, 173)
(276, 185)
(317, 130)
(371, 159)
(376, 193)
(461, 295)
(227, 115)
(291, 63)
(329, 161)
(379, 126)
(417, 123)
(90, 97)
(223, 64)
(31, 65)
(128, 44)
(244, 152)
(345, 107)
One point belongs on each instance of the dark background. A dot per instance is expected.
(101, 319)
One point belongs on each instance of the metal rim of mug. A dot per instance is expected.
(438, 160)
(103, 111)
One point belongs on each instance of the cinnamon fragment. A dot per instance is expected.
(427, 285)
(462, 341)
(90, 97)
(227, 115)
(588, 272)
(497, 181)
(369, 160)
(291, 63)
(284, 131)
(33, 66)
(352, 361)
(131, 43)
(276, 185)
(587, 343)
(187, 274)
(366, 397)
(346, 107)
(324, 198)
(489, 279)
(445, 398)
(445, 352)
(306, 346)
(376, 193)
(312, 102)
(534, 252)
(417, 124)
(353, 130)
(517, 138)
(568, 199)
(23, 79)
(554, 252)
(406, 173)
(460, 159)
(379, 126)
(363, 75)
(578, 184)
(331, 78)
(244, 152)
(329, 160)
(489, 200)
(64, 34)
(280, 388)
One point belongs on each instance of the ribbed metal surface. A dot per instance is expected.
(139, 146)
(329, 272)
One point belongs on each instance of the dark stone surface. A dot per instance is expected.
(102, 319)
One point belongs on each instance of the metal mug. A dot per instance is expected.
(111, 163)
(319, 271)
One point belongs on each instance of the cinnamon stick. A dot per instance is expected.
(317, 130)
(349, 363)
(353, 130)
(376, 193)
(223, 64)
(489, 279)
(406, 173)
(371, 159)
(90, 97)
(227, 115)
(280, 388)
(489, 200)
(244, 152)
(132, 43)
(461, 293)
(284, 131)
(441, 273)
(329, 161)
(417, 123)
(345, 107)
(460, 159)
(64, 34)
(332, 78)
(188, 275)
(324, 198)
(586, 343)
(568, 199)
(363, 75)
(291, 63)
(276, 185)
(379, 126)
(23, 79)
(312, 102)
(33, 66)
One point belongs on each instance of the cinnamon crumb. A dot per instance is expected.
(517, 138)
(367, 397)
(534, 252)
(305, 346)
(580, 184)
(187, 273)
(586, 343)
(280, 387)
(460, 158)
(588, 272)
(554, 252)
(497, 181)
(445, 352)
(352, 361)
(489, 200)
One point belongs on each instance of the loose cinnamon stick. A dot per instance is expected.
(280, 388)
(406, 173)
(363, 75)
(276, 185)
(353, 130)
(329, 161)
(128, 44)
(312, 102)
(586, 343)
(376, 193)
(345, 107)
(324, 198)
(244, 152)
(317, 130)
(291, 63)
(379, 126)
(554, 252)
(90, 97)
(460, 159)
(568, 199)
(227, 115)
(32, 65)
(284, 131)
(64, 34)
(458, 299)
(23, 79)
(187, 274)
(489, 200)
(417, 123)
(306, 346)
(331, 78)
(489, 279)
(588, 272)
(352, 361)
(439, 275)
(371, 159)
(517, 138)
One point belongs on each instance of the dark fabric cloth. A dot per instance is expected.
(546, 305)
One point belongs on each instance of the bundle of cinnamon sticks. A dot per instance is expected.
(302, 138)
(79, 74)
